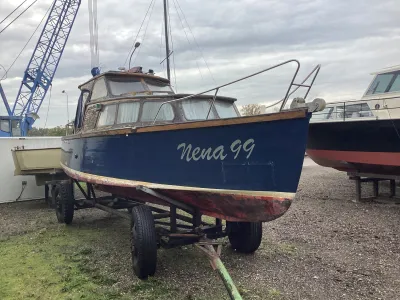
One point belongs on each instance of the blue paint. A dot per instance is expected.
(274, 165)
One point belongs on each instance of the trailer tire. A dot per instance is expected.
(64, 202)
(245, 237)
(143, 242)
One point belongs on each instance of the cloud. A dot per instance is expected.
(348, 38)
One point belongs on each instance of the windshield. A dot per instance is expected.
(158, 86)
(225, 109)
(123, 86)
(384, 83)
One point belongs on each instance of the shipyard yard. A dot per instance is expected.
(325, 247)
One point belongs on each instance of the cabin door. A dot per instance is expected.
(80, 110)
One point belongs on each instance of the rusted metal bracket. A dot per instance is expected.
(207, 247)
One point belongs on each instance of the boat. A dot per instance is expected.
(132, 130)
(168, 156)
(361, 136)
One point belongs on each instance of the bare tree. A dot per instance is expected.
(251, 109)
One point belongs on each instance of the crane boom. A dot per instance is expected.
(43, 64)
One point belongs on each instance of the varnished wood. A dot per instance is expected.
(226, 122)
(285, 115)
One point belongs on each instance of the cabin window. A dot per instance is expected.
(225, 109)
(395, 85)
(358, 110)
(100, 89)
(16, 128)
(128, 112)
(158, 86)
(107, 116)
(150, 110)
(380, 83)
(339, 112)
(90, 117)
(323, 115)
(121, 86)
(196, 109)
(5, 125)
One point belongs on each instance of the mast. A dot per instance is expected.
(166, 38)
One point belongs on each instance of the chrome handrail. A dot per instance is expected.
(344, 105)
(246, 77)
(232, 82)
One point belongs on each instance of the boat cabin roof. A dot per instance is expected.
(115, 100)
(386, 70)
(133, 86)
(124, 74)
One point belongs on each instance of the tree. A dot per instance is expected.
(252, 109)
(55, 131)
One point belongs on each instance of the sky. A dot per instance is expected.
(213, 43)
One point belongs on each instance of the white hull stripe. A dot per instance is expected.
(133, 183)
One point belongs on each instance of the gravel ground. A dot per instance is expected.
(325, 247)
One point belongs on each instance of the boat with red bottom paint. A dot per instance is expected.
(361, 136)
(134, 137)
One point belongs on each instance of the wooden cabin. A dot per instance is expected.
(118, 99)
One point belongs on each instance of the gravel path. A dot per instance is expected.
(325, 247)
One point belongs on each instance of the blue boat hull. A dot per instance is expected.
(246, 171)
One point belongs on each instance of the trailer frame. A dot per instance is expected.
(156, 226)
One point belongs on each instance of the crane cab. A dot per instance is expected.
(10, 126)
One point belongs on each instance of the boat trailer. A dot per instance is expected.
(155, 226)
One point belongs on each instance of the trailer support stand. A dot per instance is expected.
(359, 178)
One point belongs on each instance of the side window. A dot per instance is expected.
(225, 109)
(128, 112)
(395, 85)
(99, 89)
(150, 110)
(15, 128)
(5, 125)
(107, 116)
(90, 117)
(196, 109)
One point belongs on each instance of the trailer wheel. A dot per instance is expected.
(64, 202)
(245, 237)
(143, 242)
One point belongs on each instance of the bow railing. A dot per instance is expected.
(288, 93)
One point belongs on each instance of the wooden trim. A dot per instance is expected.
(285, 115)
(226, 122)
(114, 131)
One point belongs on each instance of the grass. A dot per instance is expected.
(274, 294)
(91, 261)
(51, 264)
